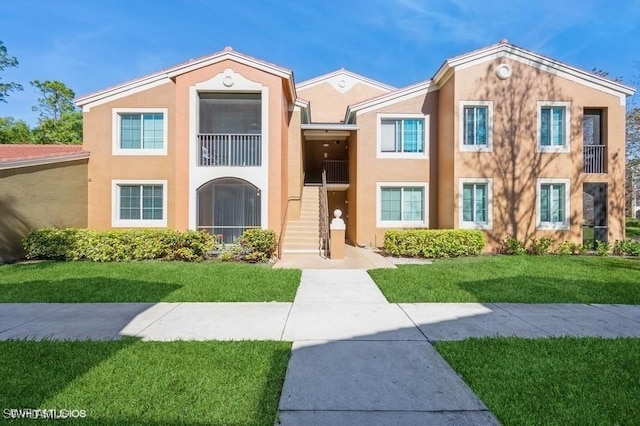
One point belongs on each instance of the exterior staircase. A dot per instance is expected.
(303, 235)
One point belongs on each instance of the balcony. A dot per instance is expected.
(594, 159)
(337, 171)
(235, 150)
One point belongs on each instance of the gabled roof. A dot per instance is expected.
(21, 155)
(343, 72)
(166, 75)
(504, 49)
(399, 95)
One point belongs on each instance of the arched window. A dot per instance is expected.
(227, 207)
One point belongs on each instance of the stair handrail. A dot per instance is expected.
(324, 217)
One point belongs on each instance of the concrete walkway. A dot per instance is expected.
(356, 359)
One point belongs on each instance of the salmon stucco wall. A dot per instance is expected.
(372, 170)
(105, 167)
(515, 163)
(51, 195)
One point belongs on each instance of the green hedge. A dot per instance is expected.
(434, 243)
(117, 245)
(254, 245)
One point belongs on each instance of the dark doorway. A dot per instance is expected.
(594, 213)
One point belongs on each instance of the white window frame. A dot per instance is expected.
(567, 126)
(476, 148)
(116, 128)
(462, 224)
(554, 226)
(402, 223)
(116, 222)
(400, 155)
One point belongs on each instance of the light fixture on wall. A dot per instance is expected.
(326, 145)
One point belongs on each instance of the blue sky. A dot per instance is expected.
(90, 45)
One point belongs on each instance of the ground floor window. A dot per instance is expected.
(553, 203)
(401, 204)
(475, 203)
(139, 203)
(228, 207)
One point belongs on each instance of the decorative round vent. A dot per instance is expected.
(503, 71)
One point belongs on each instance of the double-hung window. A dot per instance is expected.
(476, 125)
(140, 131)
(402, 136)
(475, 203)
(553, 203)
(401, 204)
(139, 203)
(553, 126)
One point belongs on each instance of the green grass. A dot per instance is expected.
(516, 279)
(633, 232)
(129, 382)
(559, 381)
(152, 281)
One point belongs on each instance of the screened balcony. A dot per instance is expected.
(230, 130)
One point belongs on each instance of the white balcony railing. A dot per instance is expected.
(594, 158)
(240, 150)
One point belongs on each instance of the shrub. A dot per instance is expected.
(627, 247)
(541, 246)
(511, 245)
(257, 245)
(566, 248)
(603, 248)
(117, 245)
(434, 243)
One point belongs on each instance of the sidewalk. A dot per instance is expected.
(356, 358)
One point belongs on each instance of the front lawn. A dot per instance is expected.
(152, 281)
(555, 381)
(515, 279)
(128, 382)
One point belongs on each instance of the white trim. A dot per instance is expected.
(475, 148)
(116, 222)
(258, 176)
(462, 224)
(402, 224)
(400, 95)
(402, 155)
(115, 131)
(166, 75)
(124, 91)
(506, 50)
(554, 226)
(567, 126)
(335, 75)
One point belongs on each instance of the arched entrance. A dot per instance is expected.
(227, 207)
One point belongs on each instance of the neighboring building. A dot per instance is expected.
(500, 139)
(40, 186)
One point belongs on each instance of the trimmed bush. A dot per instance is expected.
(117, 245)
(512, 246)
(257, 245)
(627, 247)
(541, 246)
(434, 243)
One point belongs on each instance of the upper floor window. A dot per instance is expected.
(553, 126)
(402, 136)
(140, 131)
(476, 125)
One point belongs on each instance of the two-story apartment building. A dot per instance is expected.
(500, 139)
